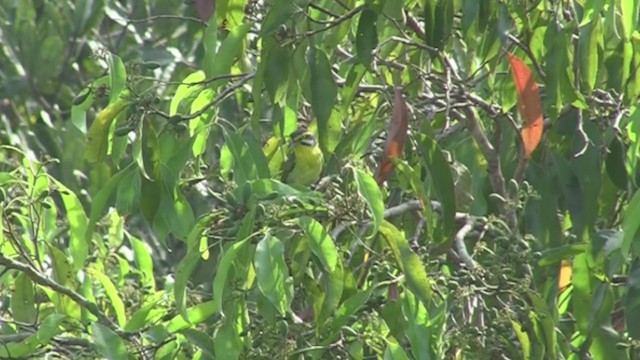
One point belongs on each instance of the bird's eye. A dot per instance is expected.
(308, 140)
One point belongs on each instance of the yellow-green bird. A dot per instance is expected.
(304, 159)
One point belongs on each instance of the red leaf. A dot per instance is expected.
(396, 136)
(205, 8)
(529, 104)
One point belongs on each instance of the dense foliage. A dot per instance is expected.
(479, 198)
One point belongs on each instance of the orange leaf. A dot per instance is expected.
(564, 276)
(396, 136)
(529, 104)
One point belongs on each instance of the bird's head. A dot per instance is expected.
(304, 138)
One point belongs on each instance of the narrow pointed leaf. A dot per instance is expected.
(529, 104)
(396, 137)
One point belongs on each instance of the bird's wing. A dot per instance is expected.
(289, 164)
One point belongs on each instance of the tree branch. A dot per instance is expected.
(494, 169)
(461, 247)
(42, 280)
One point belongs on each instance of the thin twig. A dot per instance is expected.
(168, 17)
(494, 169)
(221, 96)
(322, 10)
(335, 23)
(414, 25)
(529, 54)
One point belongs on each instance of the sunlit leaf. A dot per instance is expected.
(108, 343)
(631, 223)
(112, 293)
(98, 134)
(370, 191)
(320, 242)
(408, 261)
(117, 76)
(194, 315)
(272, 273)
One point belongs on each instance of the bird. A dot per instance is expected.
(304, 160)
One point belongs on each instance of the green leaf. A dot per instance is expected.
(23, 299)
(194, 315)
(149, 313)
(128, 193)
(231, 10)
(189, 262)
(523, 338)
(199, 126)
(144, 261)
(227, 343)
(259, 159)
(228, 52)
(470, 9)
(332, 290)
(117, 76)
(583, 291)
(629, 10)
(272, 273)
(442, 180)
(62, 270)
(277, 61)
(108, 343)
(347, 309)
(210, 44)
(592, 9)
(49, 328)
(409, 262)
(590, 39)
(323, 94)
(199, 339)
(631, 223)
(280, 12)
(354, 77)
(555, 255)
(112, 293)
(78, 246)
(183, 272)
(370, 191)
(228, 257)
(615, 163)
(606, 342)
(244, 165)
(394, 352)
(100, 201)
(631, 308)
(320, 242)
(419, 327)
(438, 18)
(547, 326)
(366, 36)
(187, 90)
